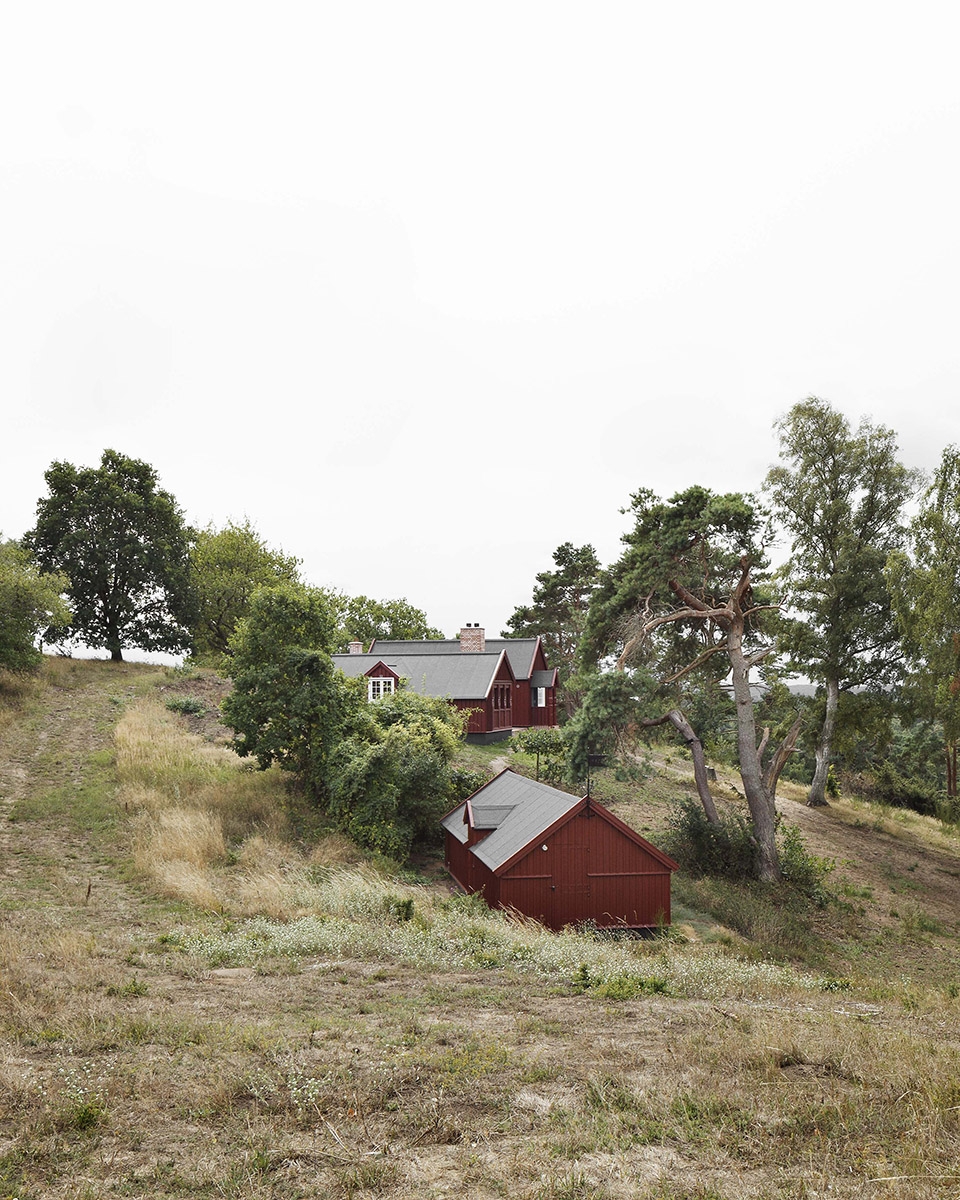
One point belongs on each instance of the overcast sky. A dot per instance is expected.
(425, 290)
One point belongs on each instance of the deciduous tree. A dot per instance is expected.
(288, 703)
(122, 542)
(839, 495)
(30, 602)
(390, 779)
(924, 583)
(226, 567)
(362, 619)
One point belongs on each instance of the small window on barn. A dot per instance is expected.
(379, 686)
(541, 697)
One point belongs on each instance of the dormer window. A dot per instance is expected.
(379, 685)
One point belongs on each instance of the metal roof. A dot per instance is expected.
(455, 676)
(533, 808)
(520, 651)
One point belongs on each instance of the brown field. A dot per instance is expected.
(206, 992)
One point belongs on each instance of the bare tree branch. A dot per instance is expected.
(697, 662)
(779, 760)
(686, 731)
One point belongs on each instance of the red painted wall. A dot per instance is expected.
(590, 871)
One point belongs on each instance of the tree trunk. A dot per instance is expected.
(686, 731)
(950, 750)
(771, 775)
(116, 654)
(817, 797)
(762, 811)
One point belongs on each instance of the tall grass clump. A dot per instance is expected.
(196, 807)
(154, 752)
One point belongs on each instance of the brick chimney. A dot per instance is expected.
(472, 640)
(356, 647)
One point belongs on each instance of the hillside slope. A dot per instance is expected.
(385, 1040)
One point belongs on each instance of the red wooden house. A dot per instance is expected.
(555, 857)
(504, 683)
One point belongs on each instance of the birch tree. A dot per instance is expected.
(839, 496)
(924, 583)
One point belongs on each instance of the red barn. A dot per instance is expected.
(555, 857)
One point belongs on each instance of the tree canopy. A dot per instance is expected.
(226, 567)
(839, 496)
(362, 619)
(122, 543)
(681, 598)
(382, 770)
(925, 590)
(390, 778)
(558, 610)
(31, 601)
(288, 704)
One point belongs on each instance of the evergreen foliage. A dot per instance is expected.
(687, 594)
(558, 612)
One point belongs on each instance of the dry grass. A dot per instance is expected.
(301, 1024)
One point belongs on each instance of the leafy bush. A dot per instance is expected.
(464, 782)
(389, 783)
(727, 849)
(549, 746)
(805, 871)
(905, 791)
(186, 705)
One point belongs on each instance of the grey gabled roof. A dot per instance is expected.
(520, 651)
(525, 807)
(453, 676)
(381, 646)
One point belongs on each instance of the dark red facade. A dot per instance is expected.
(588, 866)
(503, 683)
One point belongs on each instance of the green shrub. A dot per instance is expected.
(727, 849)
(186, 705)
(805, 871)
(390, 782)
(905, 791)
(464, 782)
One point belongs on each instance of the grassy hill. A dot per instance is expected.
(207, 992)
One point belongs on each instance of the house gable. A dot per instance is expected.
(556, 857)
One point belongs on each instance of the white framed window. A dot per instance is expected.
(379, 685)
(541, 697)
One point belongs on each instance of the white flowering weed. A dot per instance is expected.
(360, 921)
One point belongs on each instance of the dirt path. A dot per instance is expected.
(44, 756)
